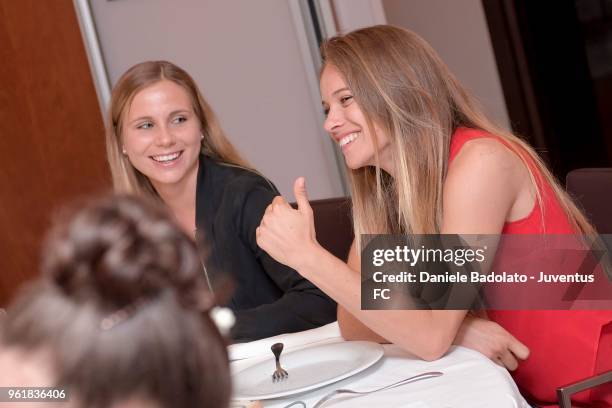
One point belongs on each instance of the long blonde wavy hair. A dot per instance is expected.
(126, 178)
(402, 85)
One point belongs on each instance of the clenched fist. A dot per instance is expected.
(286, 234)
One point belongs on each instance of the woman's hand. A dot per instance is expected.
(286, 234)
(492, 340)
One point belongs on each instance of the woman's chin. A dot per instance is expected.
(355, 164)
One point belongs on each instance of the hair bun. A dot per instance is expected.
(120, 250)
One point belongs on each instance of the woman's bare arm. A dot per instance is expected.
(479, 194)
(350, 327)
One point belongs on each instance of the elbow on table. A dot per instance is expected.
(347, 327)
(433, 354)
(429, 350)
(350, 334)
(431, 344)
(344, 331)
(352, 329)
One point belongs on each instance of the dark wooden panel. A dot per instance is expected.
(551, 96)
(51, 129)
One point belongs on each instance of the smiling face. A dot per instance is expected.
(162, 136)
(347, 125)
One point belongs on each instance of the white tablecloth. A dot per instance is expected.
(470, 379)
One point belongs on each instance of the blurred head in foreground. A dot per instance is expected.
(120, 315)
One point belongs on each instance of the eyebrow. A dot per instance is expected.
(336, 92)
(174, 112)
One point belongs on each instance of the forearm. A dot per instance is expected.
(288, 235)
(297, 310)
(425, 333)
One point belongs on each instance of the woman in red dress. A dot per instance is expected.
(422, 158)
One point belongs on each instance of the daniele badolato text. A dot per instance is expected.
(446, 272)
(477, 277)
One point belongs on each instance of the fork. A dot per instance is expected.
(423, 376)
(279, 374)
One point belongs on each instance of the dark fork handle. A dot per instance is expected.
(277, 349)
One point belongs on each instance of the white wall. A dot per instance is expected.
(354, 14)
(246, 58)
(457, 29)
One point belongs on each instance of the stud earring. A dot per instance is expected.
(124, 152)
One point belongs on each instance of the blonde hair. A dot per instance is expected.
(403, 86)
(126, 178)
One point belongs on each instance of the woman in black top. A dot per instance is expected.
(163, 141)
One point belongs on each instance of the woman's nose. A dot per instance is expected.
(164, 137)
(333, 121)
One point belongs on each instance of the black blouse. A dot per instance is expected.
(269, 298)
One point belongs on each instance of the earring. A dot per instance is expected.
(124, 152)
(202, 136)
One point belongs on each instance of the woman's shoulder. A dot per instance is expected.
(481, 149)
(486, 161)
(463, 137)
(486, 153)
(482, 185)
(231, 195)
(245, 179)
(233, 176)
(246, 195)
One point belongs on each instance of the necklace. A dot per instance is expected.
(195, 234)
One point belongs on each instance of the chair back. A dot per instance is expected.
(334, 225)
(592, 189)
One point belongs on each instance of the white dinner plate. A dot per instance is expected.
(308, 368)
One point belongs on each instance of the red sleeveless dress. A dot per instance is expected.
(566, 345)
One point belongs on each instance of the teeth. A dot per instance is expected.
(166, 157)
(348, 139)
